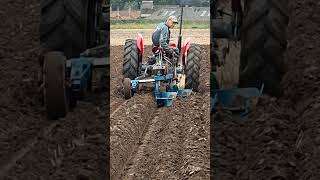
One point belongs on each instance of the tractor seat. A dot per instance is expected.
(157, 49)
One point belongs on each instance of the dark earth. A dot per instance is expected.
(159, 143)
(280, 139)
(74, 147)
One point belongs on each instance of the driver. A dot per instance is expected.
(161, 37)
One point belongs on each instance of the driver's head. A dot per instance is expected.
(171, 21)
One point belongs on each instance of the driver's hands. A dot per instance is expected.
(176, 53)
(172, 53)
(168, 51)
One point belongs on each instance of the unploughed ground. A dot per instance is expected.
(198, 36)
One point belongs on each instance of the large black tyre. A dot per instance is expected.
(192, 69)
(55, 92)
(263, 43)
(65, 26)
(131, 60)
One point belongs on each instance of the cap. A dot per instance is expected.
(173, 19)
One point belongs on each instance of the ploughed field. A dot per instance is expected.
(33, 147)
(158, 143)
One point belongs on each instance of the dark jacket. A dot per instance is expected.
(161, 36)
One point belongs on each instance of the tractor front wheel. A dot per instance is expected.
(192, 69)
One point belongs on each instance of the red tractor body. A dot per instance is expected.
(172, 44)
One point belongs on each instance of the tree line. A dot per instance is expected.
(135, 4)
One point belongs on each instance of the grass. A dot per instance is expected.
(151, 24)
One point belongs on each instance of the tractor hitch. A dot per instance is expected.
(163, 98)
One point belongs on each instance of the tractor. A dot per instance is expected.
(74, 50)
(260, 26)
(172, 77)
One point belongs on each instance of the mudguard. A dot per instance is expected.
(186, 46)
(172, 44)
(140, 43)
(185, 49)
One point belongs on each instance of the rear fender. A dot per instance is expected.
(140, 44)
(172, 44)
(185, 49)
(186, 46)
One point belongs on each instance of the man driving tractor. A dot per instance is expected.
(161, 37)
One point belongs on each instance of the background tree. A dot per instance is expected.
(136, 4)
(124, 4)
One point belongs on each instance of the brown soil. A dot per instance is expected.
(279, 141)
(159, 143)
(76, 145)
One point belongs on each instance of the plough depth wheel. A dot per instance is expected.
(55, 93)
(127, 88)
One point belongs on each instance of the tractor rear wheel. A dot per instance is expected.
(192, 69)
(132, 60)
(55, 92)
(263, 44)
(65, 26)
